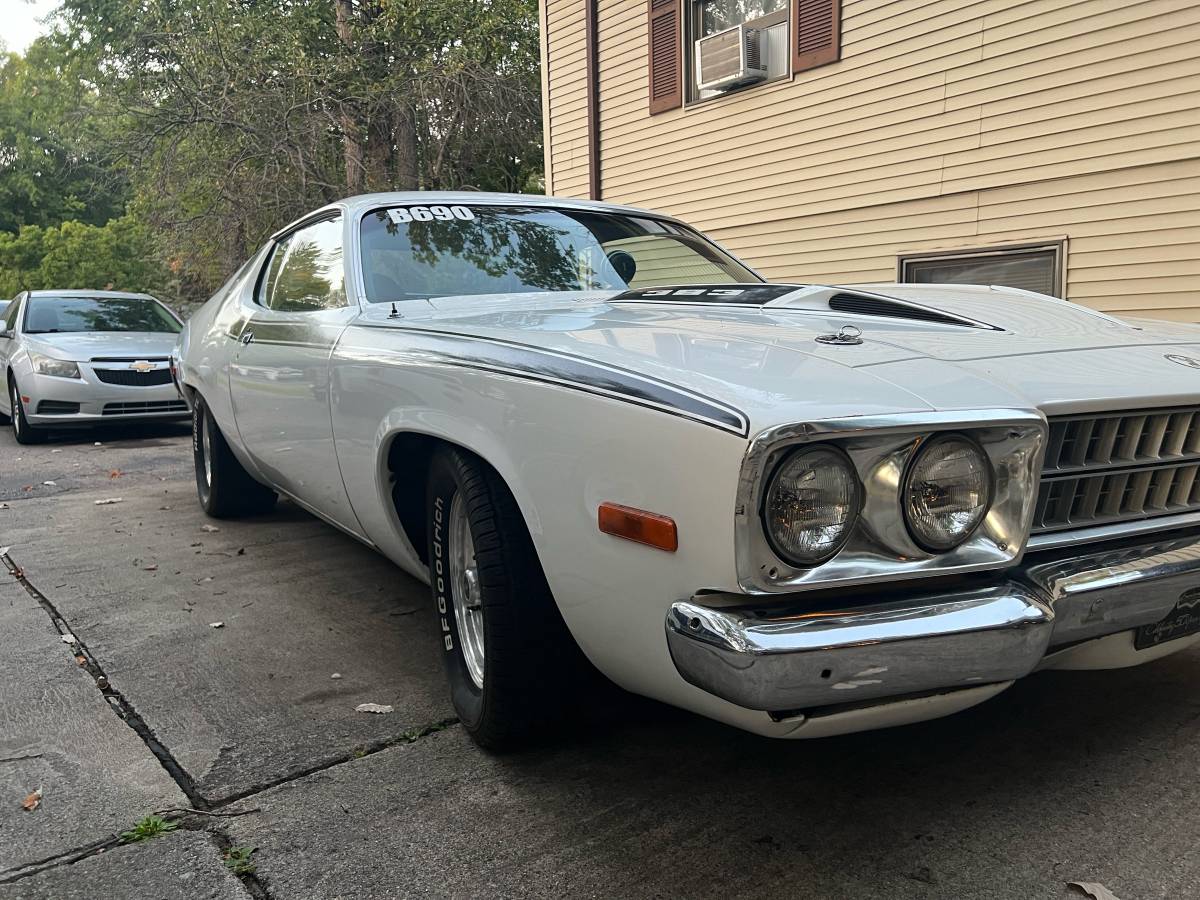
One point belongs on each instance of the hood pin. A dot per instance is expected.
(848, 334)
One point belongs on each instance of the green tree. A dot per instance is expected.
(52, 166)
(118, 255)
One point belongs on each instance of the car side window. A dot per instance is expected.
(305, 273)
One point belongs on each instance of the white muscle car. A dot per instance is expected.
(799, 509)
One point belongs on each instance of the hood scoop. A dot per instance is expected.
(874, 305)
(814, 297)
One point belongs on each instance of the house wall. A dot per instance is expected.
(946, 124)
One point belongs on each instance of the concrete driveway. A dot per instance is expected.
(120, 698)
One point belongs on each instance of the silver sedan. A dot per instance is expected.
(74, 358)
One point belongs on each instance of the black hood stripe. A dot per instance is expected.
(573, 372)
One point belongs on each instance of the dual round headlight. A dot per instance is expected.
(814, 498)
(947, 492)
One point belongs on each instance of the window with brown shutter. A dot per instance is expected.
(666, 76)
(816, 33)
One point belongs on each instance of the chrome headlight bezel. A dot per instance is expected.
(880, 547)
(914, 464)
(56, 368)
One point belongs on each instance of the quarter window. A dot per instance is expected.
(305, 272)
(1032, 268)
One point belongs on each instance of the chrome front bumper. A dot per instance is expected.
(792, 658)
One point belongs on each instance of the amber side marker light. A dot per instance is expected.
(640, 526)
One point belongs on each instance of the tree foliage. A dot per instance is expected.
(118, 255)
(245, 113)
(221, 120)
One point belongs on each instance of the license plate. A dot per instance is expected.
(1183, 620)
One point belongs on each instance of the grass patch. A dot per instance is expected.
(149, 827)
(238, 860)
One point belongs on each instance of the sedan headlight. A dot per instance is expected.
(45, 365)
(811, 505)
(947, 493)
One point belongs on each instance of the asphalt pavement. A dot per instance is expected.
(153, 661)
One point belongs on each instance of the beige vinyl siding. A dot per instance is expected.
(947, 124)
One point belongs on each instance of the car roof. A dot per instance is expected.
(362, 203)
(97, 294)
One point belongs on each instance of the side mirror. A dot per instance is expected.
(6, 334)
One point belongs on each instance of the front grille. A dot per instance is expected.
(56, 408)
(1119, 467)
(133, 378)
(149, 406)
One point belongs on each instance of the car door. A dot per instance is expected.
(8, 344)
(279, 375)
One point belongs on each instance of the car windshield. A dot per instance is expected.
(50, 315)
(421, 252)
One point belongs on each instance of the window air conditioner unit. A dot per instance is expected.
(729, 59)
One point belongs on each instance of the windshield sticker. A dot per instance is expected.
(399, 214)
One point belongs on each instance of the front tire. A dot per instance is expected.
(226, 490)
(511, 663)
(22, 430)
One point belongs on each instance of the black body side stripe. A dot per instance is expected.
(572, 372)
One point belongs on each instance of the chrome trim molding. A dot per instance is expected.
(795, 658)
(881, 547)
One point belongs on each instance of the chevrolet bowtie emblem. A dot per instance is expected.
(142, 366)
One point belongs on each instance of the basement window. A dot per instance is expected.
(1037, 267)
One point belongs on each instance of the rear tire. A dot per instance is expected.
(512, 665)
(22, 430)
(226, 490)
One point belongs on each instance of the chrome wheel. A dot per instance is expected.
(465, 590)
(206, 449)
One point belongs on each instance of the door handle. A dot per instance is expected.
(247, 337)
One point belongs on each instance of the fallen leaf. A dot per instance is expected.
(30, 803)
(81, 659)
(1094, 890)
(209, 528)
(107, 500)
(216, 624)
(373, 708)
(27, 488)
(115, 473)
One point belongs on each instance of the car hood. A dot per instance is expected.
(1026, 352)
(82, 346)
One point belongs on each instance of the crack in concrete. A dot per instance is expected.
(408, 737)
(59, 859)
(125, 710)
(116, 700)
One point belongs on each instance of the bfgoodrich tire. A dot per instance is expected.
(22, 430)
(511, 663)
(225, 488)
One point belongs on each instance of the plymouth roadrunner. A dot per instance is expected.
(799, 509)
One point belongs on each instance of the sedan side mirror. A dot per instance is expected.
(6, 334)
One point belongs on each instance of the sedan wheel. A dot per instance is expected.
(22, 430)
(514, 669)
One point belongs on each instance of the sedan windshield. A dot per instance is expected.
(51, 315)
(420, 252)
